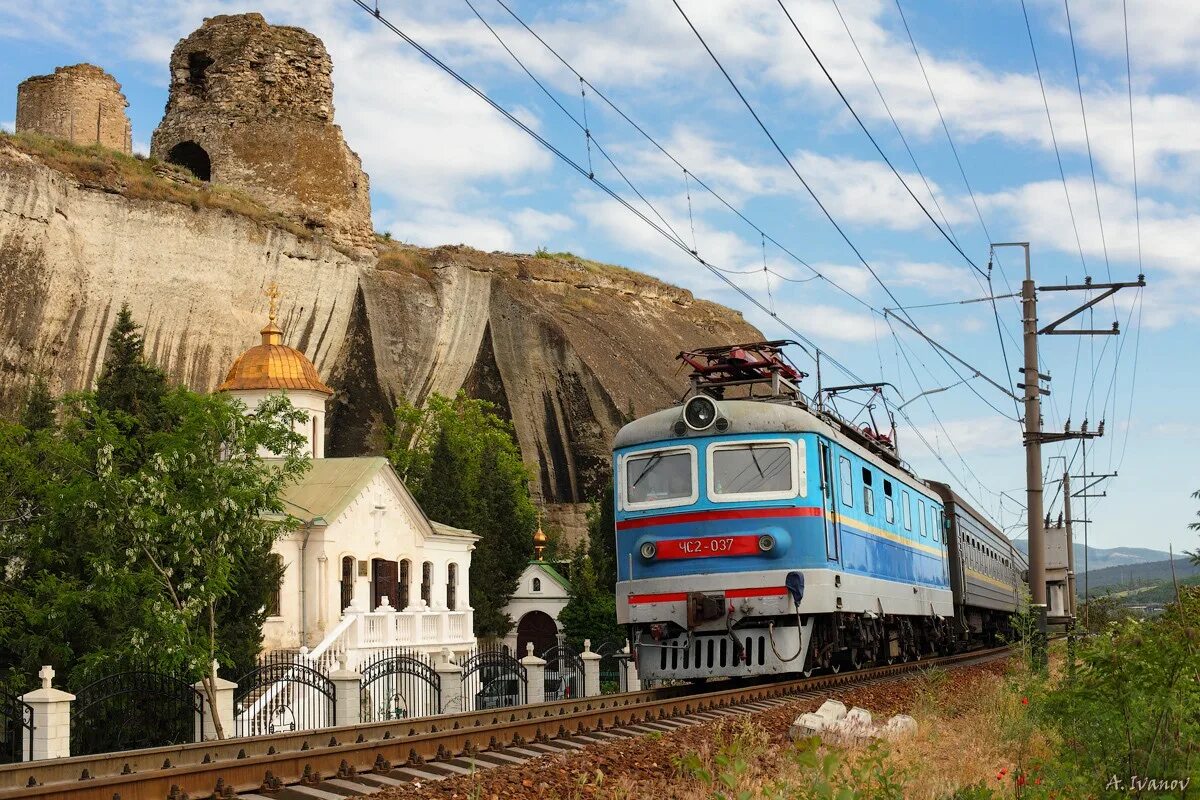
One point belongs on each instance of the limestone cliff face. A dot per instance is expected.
(567, 348)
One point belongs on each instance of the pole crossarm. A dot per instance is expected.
(1110, 290)
(1095, 479)
(1046, 437)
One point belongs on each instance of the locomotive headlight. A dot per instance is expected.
(766, 543)
(700, 412)
(648, 550)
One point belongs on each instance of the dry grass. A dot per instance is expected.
(137, 178)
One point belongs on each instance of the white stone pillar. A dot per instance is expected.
(591, 670)
(632, 682)
(347, 694)
(224, 709)
(51, 718)
(451, 684)
(535, 674)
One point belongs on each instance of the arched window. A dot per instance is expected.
(275, 601)
(193, 158)
(348, 565)
(451, 586)
(537, 584)
(405, 579)
(427, 582)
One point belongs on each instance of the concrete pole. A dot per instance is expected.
(1070, 544)
(1033, 460)
(535, 673)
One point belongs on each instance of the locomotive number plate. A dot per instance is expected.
(708, 547)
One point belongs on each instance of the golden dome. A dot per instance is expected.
(273, 365)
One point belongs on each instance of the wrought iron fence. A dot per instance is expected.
(285, 692)
(493, 678)
(398, 684)
(135, 709)
(613, 677)
(16, 729)
(564, 672)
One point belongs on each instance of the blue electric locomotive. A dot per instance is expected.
(759, 534)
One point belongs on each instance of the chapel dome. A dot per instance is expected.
(273, 365)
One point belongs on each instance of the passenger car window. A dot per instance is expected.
(659, 476)
(752, 469)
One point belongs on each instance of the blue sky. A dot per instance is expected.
(446, 168)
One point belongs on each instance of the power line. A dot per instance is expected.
(1054, 139)
(878, 149)
(813, 194)
(607, 190)
(1087, 137)
(974, 202)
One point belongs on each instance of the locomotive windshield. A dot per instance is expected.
(659, 476)
(752, 469)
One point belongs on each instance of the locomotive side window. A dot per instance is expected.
(758, 470)
(905, 511)
(921, 517)
(868, 493)
(659, 478)
(889, 507)
(847, 481)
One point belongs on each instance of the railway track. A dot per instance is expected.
(363, 759)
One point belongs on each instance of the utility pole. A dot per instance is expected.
(1070, 544)
(1084, 493)
(1035, 436)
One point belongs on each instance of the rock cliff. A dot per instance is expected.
(566, 347)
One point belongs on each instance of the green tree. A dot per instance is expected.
(127, 381)
(1195, 526)
(38, 413)
(602, 542)
(461, 463)
(591, 610)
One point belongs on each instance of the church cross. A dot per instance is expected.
(273, 295)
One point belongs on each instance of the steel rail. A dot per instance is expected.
(307, 757)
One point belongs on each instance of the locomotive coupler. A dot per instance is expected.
(703, 607)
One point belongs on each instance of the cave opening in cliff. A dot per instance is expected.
(193, 158)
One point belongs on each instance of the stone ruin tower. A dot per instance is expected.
(80, 103)
(251, 107)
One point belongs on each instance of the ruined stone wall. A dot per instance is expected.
(80, 103)
(252, 104)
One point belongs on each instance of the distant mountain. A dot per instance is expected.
(1130, 576)
(1100, 558)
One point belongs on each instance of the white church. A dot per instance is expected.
(366, 569)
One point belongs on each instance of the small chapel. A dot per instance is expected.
(365, 569)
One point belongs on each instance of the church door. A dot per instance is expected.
(537, 627)
(348, 565)
(384, 582)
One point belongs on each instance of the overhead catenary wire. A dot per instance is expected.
(816, 199)
(674, 240)
(878, 149)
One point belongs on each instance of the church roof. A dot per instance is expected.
(332, 484)
(273, 365)
(554, 574)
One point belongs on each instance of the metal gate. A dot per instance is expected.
(564, 672)
(612, 667)
(135, 709)
(493, 679)
(16, 729)
(285, 692)
(398, 685)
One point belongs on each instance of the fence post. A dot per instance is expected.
(591, 670)
(535, 675)
(451, 686)
(347, 695)
(224, 709)
(632, 682)
(51, 718)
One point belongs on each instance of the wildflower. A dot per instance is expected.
(1038, 782)
(1024, 701)
(1021, 779)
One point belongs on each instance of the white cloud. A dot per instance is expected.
(540, 229)
(977, 435)
(8, 126)
(430, 227)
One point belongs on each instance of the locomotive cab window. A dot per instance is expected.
(889, 506)
(755, 470)
(658, 478)
(921, 517)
